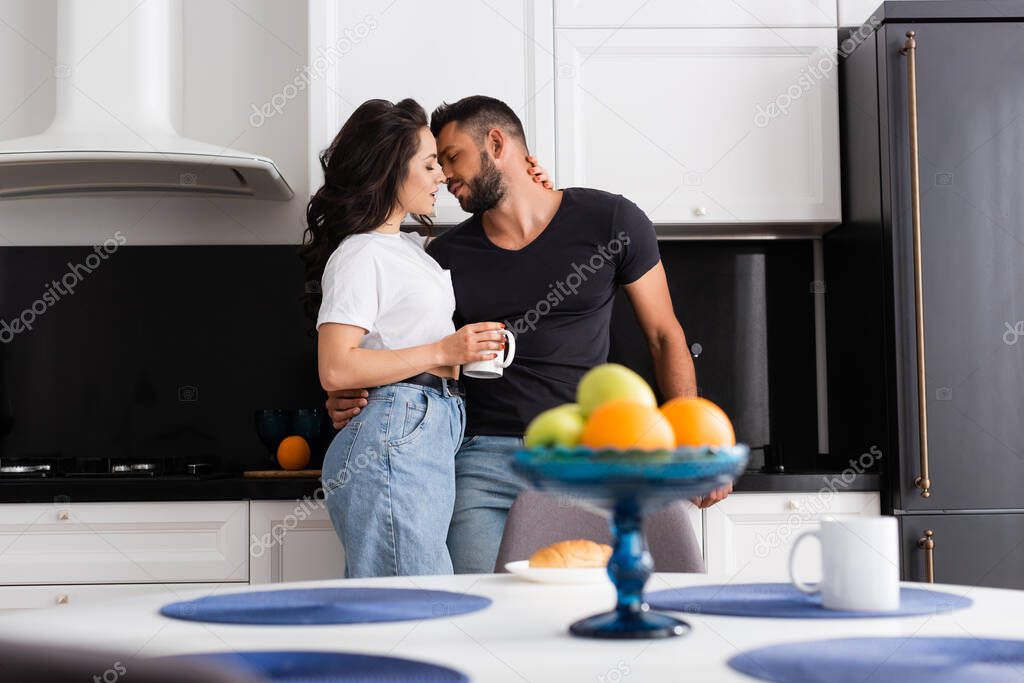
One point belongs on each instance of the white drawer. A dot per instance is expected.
(152, 542)
(748, 535)
(76, 595)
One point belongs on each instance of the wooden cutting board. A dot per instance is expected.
(281, 474)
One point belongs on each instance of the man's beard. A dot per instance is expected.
(485, 190)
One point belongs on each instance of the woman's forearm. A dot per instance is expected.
(357, 368)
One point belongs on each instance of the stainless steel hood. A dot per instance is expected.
(116, 73)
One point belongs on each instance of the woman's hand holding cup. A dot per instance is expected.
(473, 342)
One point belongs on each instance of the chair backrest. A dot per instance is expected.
(539, 519)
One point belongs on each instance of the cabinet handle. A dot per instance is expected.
(909, 50)
(63, 515)
(793, 504)
(63, 598)
(700, 211)
(927, 543)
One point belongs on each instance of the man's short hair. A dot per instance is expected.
(478, 114)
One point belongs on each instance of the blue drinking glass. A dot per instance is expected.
(309, 423)
(631, 484)
(272, 425)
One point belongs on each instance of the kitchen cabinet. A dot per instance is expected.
(856, 12)
(747, 536)
(101, 551)
(55, 554)
(122, 543)
(972, 262)
(433, 53)
(695, 13)
(926, 362)
(978, 549)
(76, 595)
(702, 126)
(293, 541)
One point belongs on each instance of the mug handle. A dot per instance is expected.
(809, 588)
(511, 348)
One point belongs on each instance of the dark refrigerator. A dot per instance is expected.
(926, 355)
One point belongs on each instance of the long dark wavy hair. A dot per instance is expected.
(364, 168)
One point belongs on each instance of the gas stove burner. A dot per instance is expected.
(133, 468)
(23, 469)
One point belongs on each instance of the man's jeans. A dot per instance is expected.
(389, 481)
(485, 486)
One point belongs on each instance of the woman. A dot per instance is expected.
(385, 321)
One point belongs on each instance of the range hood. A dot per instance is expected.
(118, 75)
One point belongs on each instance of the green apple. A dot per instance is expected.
(559, 426)
(611, 381)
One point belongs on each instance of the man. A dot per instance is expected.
(548, 264)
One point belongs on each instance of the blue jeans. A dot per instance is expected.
(389, 481)
(486, 486)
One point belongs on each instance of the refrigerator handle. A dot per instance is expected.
(927, 543)
(909, 50)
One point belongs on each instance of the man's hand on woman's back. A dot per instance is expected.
(344, 404)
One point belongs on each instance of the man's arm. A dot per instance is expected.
(652, 303)
(344, 404)
(673, 363)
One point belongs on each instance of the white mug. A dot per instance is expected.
(494, 367)
(859, 564)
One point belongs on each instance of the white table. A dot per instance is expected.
(521, 637)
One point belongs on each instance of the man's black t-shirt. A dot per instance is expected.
(555, 295)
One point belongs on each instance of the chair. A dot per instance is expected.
(538, 519)
(58, 664)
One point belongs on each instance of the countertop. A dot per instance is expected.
(239, 488)
(521, 637)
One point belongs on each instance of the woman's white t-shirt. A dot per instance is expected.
(388, 285)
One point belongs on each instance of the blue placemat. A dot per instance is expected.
(783, 601)
(326, 667)
(325, 606)
(887, 660)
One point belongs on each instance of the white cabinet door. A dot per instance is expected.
(694, 13)
(856, 12)
(434, 53)
(69, 596)
(703, 125)
(293, 541)
(748, 535)
(153, 542)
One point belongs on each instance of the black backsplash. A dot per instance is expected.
(749, 307)
(167, 351)
(160, 351)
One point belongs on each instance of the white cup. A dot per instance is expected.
(494, 367)
(859, 564)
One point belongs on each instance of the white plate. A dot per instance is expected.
(523, 570)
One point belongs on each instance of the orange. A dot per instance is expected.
(293, 453)
(624, 424)
(698, 422)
